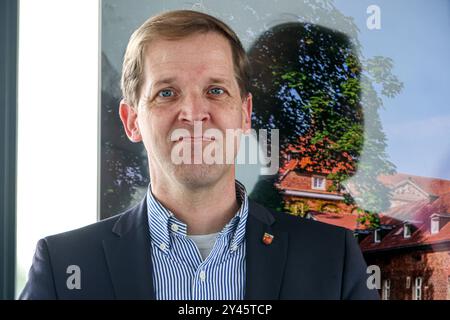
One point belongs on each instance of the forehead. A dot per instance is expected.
(199, 54)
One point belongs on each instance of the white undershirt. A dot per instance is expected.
(204, 242)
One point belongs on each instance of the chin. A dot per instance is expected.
(200, 175)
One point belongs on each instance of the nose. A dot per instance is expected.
(194, 108)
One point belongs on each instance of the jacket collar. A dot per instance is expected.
(128, 255)
(161, 219)
(265, 263)
(129, 262)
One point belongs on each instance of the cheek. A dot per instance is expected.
(155, 128)
(231, 112)
(144, 123)
(146, 126)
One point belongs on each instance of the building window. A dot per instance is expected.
(297, 208)
(406, 231)
(448, 288)
(377, 236)
(318, 183)
(386, 289)
(434, 225)
(417, 290)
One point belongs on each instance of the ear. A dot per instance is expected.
(247, 106)
(128, 115)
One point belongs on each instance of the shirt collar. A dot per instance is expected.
(163, 223)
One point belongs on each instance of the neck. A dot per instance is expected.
(204, 210)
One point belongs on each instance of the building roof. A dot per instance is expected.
(293, 180)
(419, 216)
(418, 213)
(433, 186)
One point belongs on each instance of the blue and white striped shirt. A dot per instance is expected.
(179, 273)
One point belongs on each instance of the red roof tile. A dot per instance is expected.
(418, 214)
(433, 186)
(294, 180)
(348, 221)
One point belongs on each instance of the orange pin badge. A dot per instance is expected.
(267, 238)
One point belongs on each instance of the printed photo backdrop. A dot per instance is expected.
(357, 91)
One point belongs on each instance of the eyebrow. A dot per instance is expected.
(168, 80)
(220, 81)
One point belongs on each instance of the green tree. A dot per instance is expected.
(311, 81)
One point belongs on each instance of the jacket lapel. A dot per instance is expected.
(264, 263)
(128, 255)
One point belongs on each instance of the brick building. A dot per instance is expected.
(412, 249)
(303, 192)
(411, 245)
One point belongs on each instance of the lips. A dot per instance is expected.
(185, 135)
(195, 139)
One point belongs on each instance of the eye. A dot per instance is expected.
(166, 93)
(216, 91)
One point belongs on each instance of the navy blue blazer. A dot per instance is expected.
(306, 260)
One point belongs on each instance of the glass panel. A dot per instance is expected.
(358, 93)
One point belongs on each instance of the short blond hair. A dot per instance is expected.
(176, 25)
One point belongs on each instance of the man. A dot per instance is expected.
(195, 235)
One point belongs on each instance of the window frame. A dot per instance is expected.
(417, 288)
(8, 145)
(448, 287)
(322, 187)
(407, 231)
(377, 239)
(386, 289)
(434, 225)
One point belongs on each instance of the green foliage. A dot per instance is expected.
(310, 80)
(370, 219)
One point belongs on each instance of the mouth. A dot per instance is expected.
(195, 139)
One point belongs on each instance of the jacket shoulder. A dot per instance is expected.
(88, 237)
(85, 234)
(58, 256)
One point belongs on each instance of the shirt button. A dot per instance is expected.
(162, 246)
(202, 275)
(234, 247)
(174, 227)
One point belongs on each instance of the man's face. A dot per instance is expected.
(189, 81)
